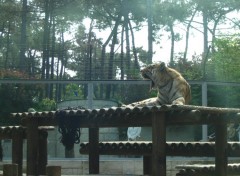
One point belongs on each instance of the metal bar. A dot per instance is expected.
(44, 81)
(204, 103)
(90, 96)
(38, 81)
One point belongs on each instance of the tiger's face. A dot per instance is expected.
(157, 73)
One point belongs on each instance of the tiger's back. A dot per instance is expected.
(176, 89)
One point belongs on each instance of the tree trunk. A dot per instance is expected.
(104, 54)
(136, 64)
(128, 56)
(23, 39)
(150, 31)
(187, 35)
(205, 40)
(31, 63)
(88, 60)
(122, 54)
(53, 56)
(8, 46)
(45, 40)
(57, 72)
(111, 58)
(60, 88)
(172, 45)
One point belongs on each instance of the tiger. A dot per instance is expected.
(171, 87)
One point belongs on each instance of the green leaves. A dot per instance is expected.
(225, 61)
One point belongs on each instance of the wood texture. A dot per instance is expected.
(158, 142)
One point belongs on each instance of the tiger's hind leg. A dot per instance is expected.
(179, 101)
(147, 102)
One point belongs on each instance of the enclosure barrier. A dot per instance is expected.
(17, 134)
(158, 117)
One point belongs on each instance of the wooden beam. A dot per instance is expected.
(32, 146)
(221, 149)
(158, 144)
(42, 157)
(94, 151)
(17, 148)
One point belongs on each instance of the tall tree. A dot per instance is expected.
(23, 41)
(150, 30)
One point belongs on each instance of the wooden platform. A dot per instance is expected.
(206, 169)
(157, 117)
(144, 148)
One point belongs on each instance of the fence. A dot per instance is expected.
(204, 89)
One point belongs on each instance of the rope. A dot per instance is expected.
(68, 126)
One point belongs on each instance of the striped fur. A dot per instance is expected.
(171, 86)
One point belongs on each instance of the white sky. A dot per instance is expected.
(162, 50)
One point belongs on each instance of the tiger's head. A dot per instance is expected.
(159, 74)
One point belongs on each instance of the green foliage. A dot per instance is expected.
(73, 91)
(223, 96)
(224, 63)
(14, 97)
(223, 66)
(46, 105)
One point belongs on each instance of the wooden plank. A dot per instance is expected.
(144, 148)
(221, 149)
(42, 160)
(94, 151)
(17, 148)
(147, 165)
(32, 146)
(158, 144)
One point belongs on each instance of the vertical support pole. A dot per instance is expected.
(204, 103)
(221, 160)
(93, 151)
(147, 165)
(10, 170)
(158, 144)
(90, 95)
(32, 146)
(42, 160)
(53, 170)
(17, 148)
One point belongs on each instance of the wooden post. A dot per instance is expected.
(93, 151)
(147, 165)
(42, 160)
(32, 146)
(17, 148)
(158, 144)
(53, 170)
(221, 161)
(10, 170)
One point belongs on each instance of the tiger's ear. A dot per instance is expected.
(162, 66)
